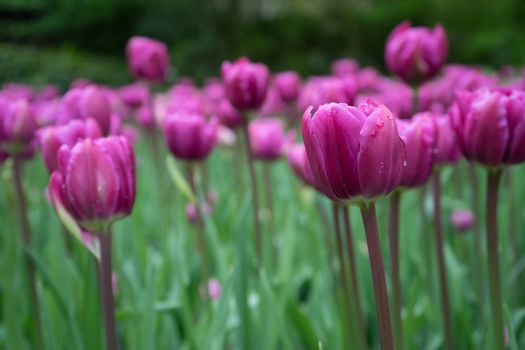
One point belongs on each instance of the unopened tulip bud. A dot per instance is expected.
(17, 127)
(267, 138)
(288, 84)
(462, 220)
(147, 59)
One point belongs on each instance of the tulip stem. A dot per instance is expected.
(438, 231)
(106, 290)
(26, 238)
(395, 200)
(267, 175)
(353, 278)
(493, 181)
(255, 195)
(342, 269)
(415, 99)
(201, 240)
(368, 212)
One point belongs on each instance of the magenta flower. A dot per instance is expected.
(298, 161)
(245, 83)
(267, 138)
(321, 90)
(135, 95)
(490, 126)
(353, 152)
(89, 102)
(214, 289)
(447, 149)
(51, 138)
(462, 220)
(17, 127)
(190, 136)
(148, 59)
(416, 54)
(288, 84)
(420, 134)
(345, 67)
(95, 181)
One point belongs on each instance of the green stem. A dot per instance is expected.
(445, 303)
(361, 335)
(26, 238)
(493, 181)
(395, 200)
(108, 303)
(255, 194)
(342, 269)
(267, 177)
(368, 212)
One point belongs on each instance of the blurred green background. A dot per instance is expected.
(58, 40)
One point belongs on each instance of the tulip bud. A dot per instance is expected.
(135, 95)
(353, 152)
(321, 90)
(420, 135)
(298, 160)
(17, 127)
(490, 125)
(245, 83)
(95, 181)
(462, 220)
(51, 138)
(288, 84)
(88, 102)
(266, 138)
(190, 136)
(416, 54)
(147, 59)
(228, 115)
(345, 67)
(214, 289)
(447, 149)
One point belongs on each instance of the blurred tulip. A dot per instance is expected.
(462, 220)
(15, 92)
(17, 128)
(288, 84)
(273, 106)
(447, 149)
(190, 136)
(51, 138)
(95, 181)
(245, 83)
(298, 160)
(416, 54)
(267, 138)
(345, 67)
(321, 90)
(490, 126)
(353, 152)
(214, 289)
(148, 59)
(135, 95)
(420, 134)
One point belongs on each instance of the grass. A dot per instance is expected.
(288, 304)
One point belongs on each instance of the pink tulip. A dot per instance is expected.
(147, 59)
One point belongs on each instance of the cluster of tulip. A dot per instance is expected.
(365, 136)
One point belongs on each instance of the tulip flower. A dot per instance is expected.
(95, 182)
(190, 136)
(147, 59)
(416, 54)
(321, 90)
(288, 84)
(345, 67)
(267, 138)
(489, 127)
(462, 219)
(51, 138)
(17, 128)
(245, 83)
(135, 95)
(298, 161)
(356, 154)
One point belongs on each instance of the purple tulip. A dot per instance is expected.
(321, 90)
(288, 84)
(89, 102)
(273, 104)
(135, 95)
(353, 151)
(228, 115)
(214, 289)
(416, 54)
(14, 92)
(190, 136)
(447, 149)
(345, 67)
(148, 59)
(298, 160)
(462, 220)
(17, 127)
(95, 181)
(490, 126)
(267, 138)
(51, 138)
(245, 83)
(420, 134)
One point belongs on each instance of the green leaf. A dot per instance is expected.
(179, 180)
